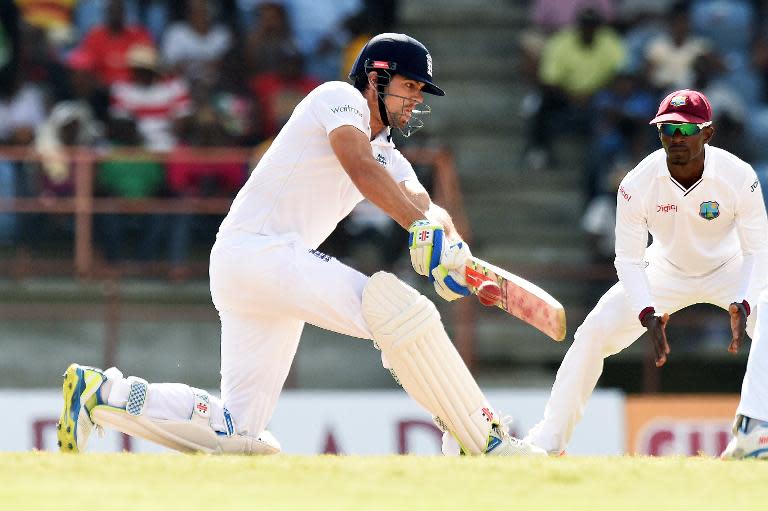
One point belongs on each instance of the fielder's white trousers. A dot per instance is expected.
(613, 325)
(754, 389)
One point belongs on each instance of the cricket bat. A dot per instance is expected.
(516, 296)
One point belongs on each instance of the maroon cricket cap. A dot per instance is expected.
(684, 106)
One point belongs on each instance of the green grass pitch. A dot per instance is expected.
(101, 482)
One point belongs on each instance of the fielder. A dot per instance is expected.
(704, 208)
(267, 278)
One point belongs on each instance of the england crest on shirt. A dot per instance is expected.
(709, 210)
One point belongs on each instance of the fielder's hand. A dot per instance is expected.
(656, 325)
(425, 243)
(739, 313)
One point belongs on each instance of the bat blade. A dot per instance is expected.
(520, 298)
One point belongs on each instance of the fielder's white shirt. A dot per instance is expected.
(299, 187)
(695, 230)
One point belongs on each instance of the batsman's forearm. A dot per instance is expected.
(377, 186)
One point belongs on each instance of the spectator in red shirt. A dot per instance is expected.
(108, 45)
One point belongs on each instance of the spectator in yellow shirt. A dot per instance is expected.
(576, 63)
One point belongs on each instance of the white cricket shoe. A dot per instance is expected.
(750, 439)
(501, 443)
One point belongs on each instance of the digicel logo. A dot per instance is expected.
(668, 437)
(624, 194)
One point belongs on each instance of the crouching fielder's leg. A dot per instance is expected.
(170, 414)
(407, 328)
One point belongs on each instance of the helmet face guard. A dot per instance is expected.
(393, 118)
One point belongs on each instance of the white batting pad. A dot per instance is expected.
(407, 328)
(184, 436)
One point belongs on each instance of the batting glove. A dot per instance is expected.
(450, 284)
(455, 256)
(425, 243)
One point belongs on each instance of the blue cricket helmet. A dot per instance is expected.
(397, 54)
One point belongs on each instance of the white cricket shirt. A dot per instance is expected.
(299, 187)
(695, 230)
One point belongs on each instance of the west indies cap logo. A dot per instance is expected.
(678, 101)
(709, 210)
(684, 105)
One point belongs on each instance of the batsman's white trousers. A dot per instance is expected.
(265, 288)
(754, 389)
(613, 325)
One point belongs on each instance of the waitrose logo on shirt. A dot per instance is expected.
(345, 109)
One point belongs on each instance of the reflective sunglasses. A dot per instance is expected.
(686, 129)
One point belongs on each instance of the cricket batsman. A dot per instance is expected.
(267, 279)
(705, 210)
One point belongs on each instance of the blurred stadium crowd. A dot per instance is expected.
(160, 76)
(165, 76)
(597, 69)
